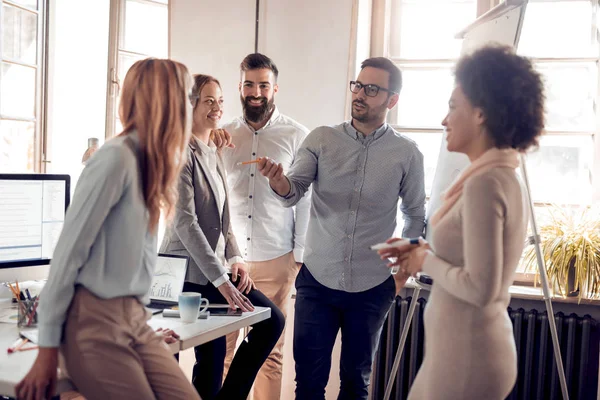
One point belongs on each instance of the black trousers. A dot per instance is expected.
(319, 314)
(207, 376)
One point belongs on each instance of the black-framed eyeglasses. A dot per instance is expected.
(371, 90)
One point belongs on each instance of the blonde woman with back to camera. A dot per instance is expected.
(92, 306)
(495, 112)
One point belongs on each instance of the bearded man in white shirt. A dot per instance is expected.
(271, 236)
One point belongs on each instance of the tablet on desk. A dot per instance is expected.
(224, 310)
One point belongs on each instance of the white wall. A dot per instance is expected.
(212, 38)
(309, 41)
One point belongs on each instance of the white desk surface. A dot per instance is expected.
(13, 367)
(205, 330)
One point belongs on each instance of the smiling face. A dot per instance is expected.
(257, 93)
(463, 123)
(209, 109)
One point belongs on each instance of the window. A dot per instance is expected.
(77, 67)
(421, 42)
(423, 45)
(142, 33)
(561, 170)
(22, 25)
(568, 60)
(82, 100)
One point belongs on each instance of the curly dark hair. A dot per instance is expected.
(509, 91)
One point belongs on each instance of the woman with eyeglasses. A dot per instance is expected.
(202, 231)
(92, 306)
(496, 111)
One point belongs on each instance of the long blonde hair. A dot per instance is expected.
(155, 103)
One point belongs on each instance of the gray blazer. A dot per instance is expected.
(195, 229)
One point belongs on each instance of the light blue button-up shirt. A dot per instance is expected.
(357, 181)
(105, 244)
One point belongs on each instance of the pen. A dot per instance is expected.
(32, 314)
(248, 162)
(22, 344)
(28, 294)
(14, 291)
(14, 345)
(29, 348)
(381, 246)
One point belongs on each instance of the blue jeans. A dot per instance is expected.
(319, 314)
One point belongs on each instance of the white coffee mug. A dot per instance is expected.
(189, 306)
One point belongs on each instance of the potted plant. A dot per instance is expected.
(570, 244)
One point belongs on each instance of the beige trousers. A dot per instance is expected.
(111, 353)
(275, 279)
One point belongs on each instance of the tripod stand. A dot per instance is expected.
(534, 240)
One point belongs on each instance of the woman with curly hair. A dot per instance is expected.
(496, 111)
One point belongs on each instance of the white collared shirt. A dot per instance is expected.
(264, 229)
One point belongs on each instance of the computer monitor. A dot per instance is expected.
(32, 214)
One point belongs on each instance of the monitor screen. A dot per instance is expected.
(32, 215)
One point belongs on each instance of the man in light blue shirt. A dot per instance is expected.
(358, 170)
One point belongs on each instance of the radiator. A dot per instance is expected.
(537, 378)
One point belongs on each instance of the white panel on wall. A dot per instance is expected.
(212, 38)
(309, 41)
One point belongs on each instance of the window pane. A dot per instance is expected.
(18, 91)
(424, 96)
(570, 95)
(560, 171)
(19, 35)
(558, 29)
(125, 62)
(17, 146)
(33, 4)
(146, 28)
(429, 144)
(425, 29)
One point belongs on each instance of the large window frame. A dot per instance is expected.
(117, 52)
(39, 136)
(382, 29)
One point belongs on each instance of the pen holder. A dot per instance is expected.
(27, 316)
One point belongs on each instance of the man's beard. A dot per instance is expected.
(367, 114)
(257, 114)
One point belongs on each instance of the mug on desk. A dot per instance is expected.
(189, 306)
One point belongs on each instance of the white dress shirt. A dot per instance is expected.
(211, 155)
(264, 228)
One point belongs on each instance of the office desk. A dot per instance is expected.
(14, 367)
(205, 330)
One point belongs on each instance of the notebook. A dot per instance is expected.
(167, 282)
